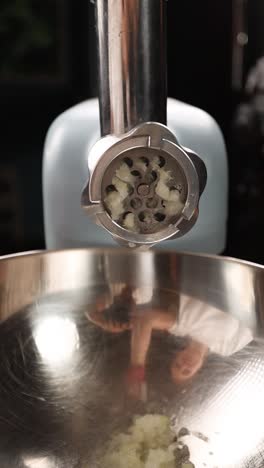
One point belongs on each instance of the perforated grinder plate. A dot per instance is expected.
(144, 191)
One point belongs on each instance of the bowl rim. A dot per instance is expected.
(116, 250)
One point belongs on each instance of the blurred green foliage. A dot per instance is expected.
(28, 37)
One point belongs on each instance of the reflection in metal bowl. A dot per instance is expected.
(88, 338)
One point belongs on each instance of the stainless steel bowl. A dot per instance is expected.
(62, 391)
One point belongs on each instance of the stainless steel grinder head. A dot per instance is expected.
(143, 187)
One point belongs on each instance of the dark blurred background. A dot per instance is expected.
(48, 63)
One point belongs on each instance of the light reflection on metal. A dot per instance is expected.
(56, 339)
(45, 462)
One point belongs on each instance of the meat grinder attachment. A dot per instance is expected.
(144, 187)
